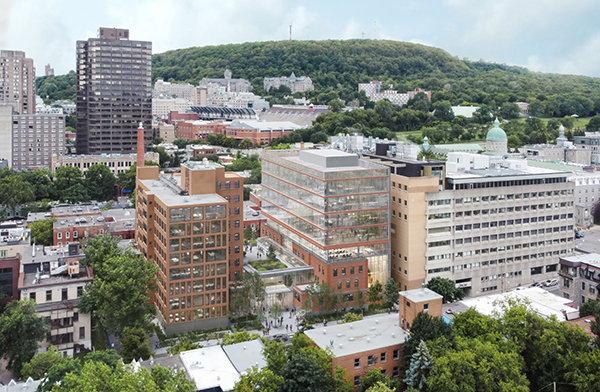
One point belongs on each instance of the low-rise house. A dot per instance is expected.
(55, 280)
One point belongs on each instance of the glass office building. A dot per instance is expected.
(331, 204)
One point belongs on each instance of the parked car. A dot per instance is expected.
(578, 235)
(280, 338)
(550, 282)
(536, 284)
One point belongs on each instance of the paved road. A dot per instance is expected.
(590, 242)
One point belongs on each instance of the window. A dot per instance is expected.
(426, 307)
(408, 304)
(383, 357)
(356, 363)
(75, 317)
(32, 296)
(339, 285)
(67, 235)
(65, 294)
(59, 235)
(356, 381)
(48, 295)
(395, 372)
(335, 272)
(79, 291)
(396, 355)
(343, 271)
(81, 332)
(360, 269)
(371, 360)
(75, 234)
(355, 282)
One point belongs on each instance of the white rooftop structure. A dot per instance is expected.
(245, 355)
(543, 302)
(420, 295)
(466, 111)
(368, 334)
(210, 368)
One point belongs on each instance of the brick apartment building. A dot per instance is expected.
(191, 226)
(375, 342)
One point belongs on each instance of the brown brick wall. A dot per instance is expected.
(347, 362)
(408, 313)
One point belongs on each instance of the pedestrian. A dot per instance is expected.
(217, 337)
(286, 328)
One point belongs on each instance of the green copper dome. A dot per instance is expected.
(496, 134)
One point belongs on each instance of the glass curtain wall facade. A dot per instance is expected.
(336, 213)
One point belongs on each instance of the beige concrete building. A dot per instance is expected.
(586, 197)
(294, 83)
(164, 89)
(491, 224)
(30, 140)
(117, 163)
(161, 107)
(17, 81)
(165, 131)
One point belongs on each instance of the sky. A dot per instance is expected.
(543, 35)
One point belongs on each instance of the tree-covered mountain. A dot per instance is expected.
(336, 67)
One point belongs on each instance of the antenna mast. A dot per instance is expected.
(363, 34)
(290, 31)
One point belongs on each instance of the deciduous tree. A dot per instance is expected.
(100, 181)
(42, 232)
(21, 328)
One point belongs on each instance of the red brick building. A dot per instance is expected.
(375, 342)
(193, 130)
(259, 132)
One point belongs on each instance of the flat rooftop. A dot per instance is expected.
(589, 258)
(324, 162)
(420, 295)
(245, 355)
(170, 196)
(210, 368)
(369, 334)
(542, 301)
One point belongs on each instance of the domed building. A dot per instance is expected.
(496, 140)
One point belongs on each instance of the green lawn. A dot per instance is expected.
(579, 121)
(266, 264)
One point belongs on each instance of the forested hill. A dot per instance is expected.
(336, 67)
(341, 65)
(328, 63)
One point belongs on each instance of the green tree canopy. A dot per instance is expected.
(120, 293)
(42, 232)
(15, 191)
(21, 328)
(135, 344)
(39, 365)
(446, 288)
(100, 181)
(374, 377)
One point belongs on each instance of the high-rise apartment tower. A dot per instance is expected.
(18, 81)
(114, 92)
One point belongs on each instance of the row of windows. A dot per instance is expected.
(516, 234)
(509, 183)
(197, 314)
(64, 294)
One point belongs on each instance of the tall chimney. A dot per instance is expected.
(140, 145)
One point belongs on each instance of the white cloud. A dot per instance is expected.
(352, 29)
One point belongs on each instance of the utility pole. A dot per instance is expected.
(554, 386)
(290, 31)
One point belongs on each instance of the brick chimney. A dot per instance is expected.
(140, 145)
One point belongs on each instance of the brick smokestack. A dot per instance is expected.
(140, 145)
